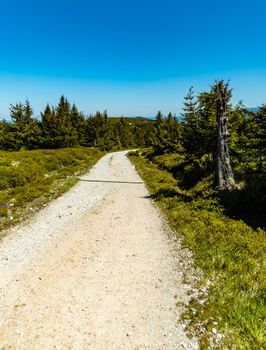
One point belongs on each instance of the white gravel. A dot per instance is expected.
(27, 241)
(94, 270)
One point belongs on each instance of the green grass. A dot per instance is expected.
(30, 179)
(230, 253)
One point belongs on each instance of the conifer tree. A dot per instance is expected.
(260, 120)
(192, 138)
(8, 137)
(173, 135)
(67, 134)
(28, 131)
(159, 133)
(78, 123)
(190, 107)
(50, 129)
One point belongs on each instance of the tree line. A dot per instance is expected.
(65, 126)
(194, 136)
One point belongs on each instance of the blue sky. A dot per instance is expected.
(130, 57)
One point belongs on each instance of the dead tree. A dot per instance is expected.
(224, 177)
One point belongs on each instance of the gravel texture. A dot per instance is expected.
(96, 269)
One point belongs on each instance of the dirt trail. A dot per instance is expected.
(101, 277)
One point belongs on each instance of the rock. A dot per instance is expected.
(219, 336)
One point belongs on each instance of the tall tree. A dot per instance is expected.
(28, 131)
(68, 136)
(192, 138)
(78, 123)
(224, 177)
(159, 133)
(190, 107)
(260, 119)
(50, 128)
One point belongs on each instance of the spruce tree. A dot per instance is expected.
(67, 135)
(192, 137)
(50, 128)
(260, 120)
(28, 131)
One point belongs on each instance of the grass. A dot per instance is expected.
(30, 179)
(231, 255)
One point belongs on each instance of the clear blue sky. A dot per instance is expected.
(131, 57)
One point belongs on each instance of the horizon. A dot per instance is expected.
(132, 59)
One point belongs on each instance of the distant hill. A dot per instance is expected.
(253, 109)
(146, 118)
(137, 119)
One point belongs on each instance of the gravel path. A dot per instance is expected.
(94, 270)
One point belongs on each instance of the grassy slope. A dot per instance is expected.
(230, 253)
(29, 179)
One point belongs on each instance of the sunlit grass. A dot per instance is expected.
(29, 179)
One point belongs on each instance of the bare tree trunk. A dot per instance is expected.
(224, 177)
